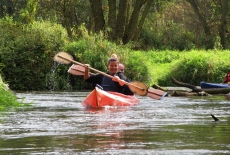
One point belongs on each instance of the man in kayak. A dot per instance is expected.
(121, 68)
(227, 77)
(116, 84)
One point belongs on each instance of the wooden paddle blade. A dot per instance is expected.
(76, 70)
(156, 94)
(138, 88)
(63, 58)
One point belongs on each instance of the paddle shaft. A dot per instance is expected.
(81, 71)
(153, 93)
(109, 76)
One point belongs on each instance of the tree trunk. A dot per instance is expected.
(129, 32)
(91, 22)
(223, 23)
(98, 15)
(195, 89)
(141, 23)
(64, 12)
(1, 10)
(112, 19)
(68, 27)
(203, 21)
(122, 27)
(121, 19)
(128, 11)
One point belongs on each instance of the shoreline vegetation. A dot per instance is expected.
(7, 98)
(33, 46)
(164, 46)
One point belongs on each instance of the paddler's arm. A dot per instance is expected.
(120, 81)
(86, 75)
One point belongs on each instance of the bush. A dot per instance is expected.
(7, 98)
(96, 50)
(166, 36)
(27, 51)
(197, 66)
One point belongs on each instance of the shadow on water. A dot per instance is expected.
(57, 123)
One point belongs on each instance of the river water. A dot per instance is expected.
(57, 123)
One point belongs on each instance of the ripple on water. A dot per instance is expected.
(57, 123)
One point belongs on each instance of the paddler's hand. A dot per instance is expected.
(117, 79)
(86, 65)
(86, 75)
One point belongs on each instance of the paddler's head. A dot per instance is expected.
(113, 65)
(121, 68)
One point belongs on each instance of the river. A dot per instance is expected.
(57, 123)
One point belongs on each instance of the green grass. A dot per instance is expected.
(7, 98)
(188, 66)
(153, 66)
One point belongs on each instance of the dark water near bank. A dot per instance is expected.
(57, 123)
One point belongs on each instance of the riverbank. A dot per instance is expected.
(7, 98)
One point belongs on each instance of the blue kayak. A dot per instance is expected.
(206, 85)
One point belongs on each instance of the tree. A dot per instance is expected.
(96, 7)
(223, 29)
(27, 15)
(198, 10)
(125, 18)
(6, 7)
(70, 13)
(11, 7)
(216, 21)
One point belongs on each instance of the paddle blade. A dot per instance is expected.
(76, 70)
(63, 58)
(156, 94)
(138, 88)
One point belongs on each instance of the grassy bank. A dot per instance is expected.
(188, 66)
(154, 67)
(27, 53)
(7, 98)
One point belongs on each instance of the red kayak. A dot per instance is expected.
(99, 98)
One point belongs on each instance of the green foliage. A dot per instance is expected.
(169, 25)
(7, 98)
(168, 35)
(158, 65)
(27, 51)
(27, 15)
(136, 67)
(96, 50)
(190, 67)
(165, 56)
(197, 66)
(217, 45)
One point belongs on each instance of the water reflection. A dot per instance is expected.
(227, 96)
(57, 123)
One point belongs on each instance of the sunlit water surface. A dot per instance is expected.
(57, 123)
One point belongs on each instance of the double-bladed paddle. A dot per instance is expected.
(136, 87)
(153, 93)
